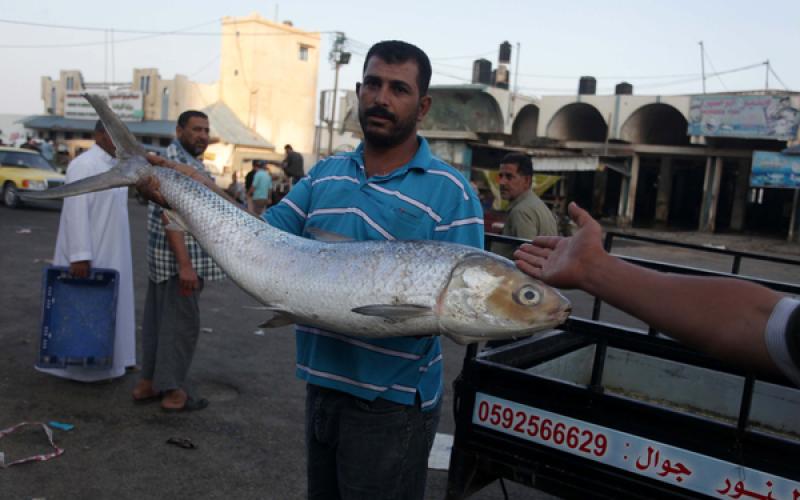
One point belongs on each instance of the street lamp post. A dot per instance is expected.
(333, 110)
(339, 58)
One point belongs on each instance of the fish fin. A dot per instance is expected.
(278, 320)
(124, 141)
(131, 167)
(176, 222)
(462, 339)
(394, 312)
(111, 179)
(327, 236)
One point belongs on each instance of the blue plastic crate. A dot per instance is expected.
(78, 319)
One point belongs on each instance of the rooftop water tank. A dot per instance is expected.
(623, 88)
(587, 86)
(505, 53)
(501, 77)
(482, 71)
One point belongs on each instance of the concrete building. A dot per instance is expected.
(640, 160)
(669, 165)
(264, 98)
(268, 78)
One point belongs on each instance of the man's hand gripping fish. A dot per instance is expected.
(369, 288)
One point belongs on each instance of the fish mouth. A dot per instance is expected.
(560, 316)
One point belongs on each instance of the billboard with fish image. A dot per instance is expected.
(747, 116)
(775, 170)
(127, 104)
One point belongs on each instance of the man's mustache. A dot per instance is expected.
(379, 112)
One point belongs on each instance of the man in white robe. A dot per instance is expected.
(94, 233)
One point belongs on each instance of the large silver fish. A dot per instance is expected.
(371, 288)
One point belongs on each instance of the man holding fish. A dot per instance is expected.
(373, 405)
(178, 269)
(370, 310)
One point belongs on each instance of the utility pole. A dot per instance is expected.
(333, 110)
(338, 58)
(105, 57)
(766, 84)
(703, 65)
(514, 90)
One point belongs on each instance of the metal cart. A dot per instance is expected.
(597, 410)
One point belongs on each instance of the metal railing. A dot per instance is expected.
(504, 370)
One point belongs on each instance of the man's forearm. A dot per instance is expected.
(177, 243)
(722, 316)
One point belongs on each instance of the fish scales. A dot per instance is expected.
(322, 280)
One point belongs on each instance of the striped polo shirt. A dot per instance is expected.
(425, 199)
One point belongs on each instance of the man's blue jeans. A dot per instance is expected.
(368, 450)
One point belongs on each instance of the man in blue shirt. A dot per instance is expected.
(372, 405)
(260, 189)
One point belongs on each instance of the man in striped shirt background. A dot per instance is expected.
(372, 405)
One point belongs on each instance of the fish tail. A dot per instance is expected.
(111, 179)
(131, 166)
(125, 142)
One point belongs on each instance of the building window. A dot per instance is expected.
(53, 100)
(165, 104)
(67, 135)
(147, 140)
(144, 84)
(164, 142)
(86, 135)
(303, 53)
(70, 83)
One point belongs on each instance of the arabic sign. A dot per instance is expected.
(752, 116)
(127, 104)
(676, 466)
(775, 170)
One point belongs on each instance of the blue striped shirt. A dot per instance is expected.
(425, 199)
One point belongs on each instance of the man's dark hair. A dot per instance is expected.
(288, 146)
(183, 120)
(523, 163)
(397, 52)
(99, 127)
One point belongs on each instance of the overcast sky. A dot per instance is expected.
(653, 45)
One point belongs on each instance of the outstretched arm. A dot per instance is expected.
(725, 317)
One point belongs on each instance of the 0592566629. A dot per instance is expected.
(679, 467)
(540, 426)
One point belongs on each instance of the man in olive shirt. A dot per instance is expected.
(528, 216)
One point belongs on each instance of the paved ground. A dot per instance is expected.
(249, 441)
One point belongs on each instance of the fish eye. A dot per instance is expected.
(527, 296)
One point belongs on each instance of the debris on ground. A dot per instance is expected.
(34, 458)
(184, 443)
(60, 425)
